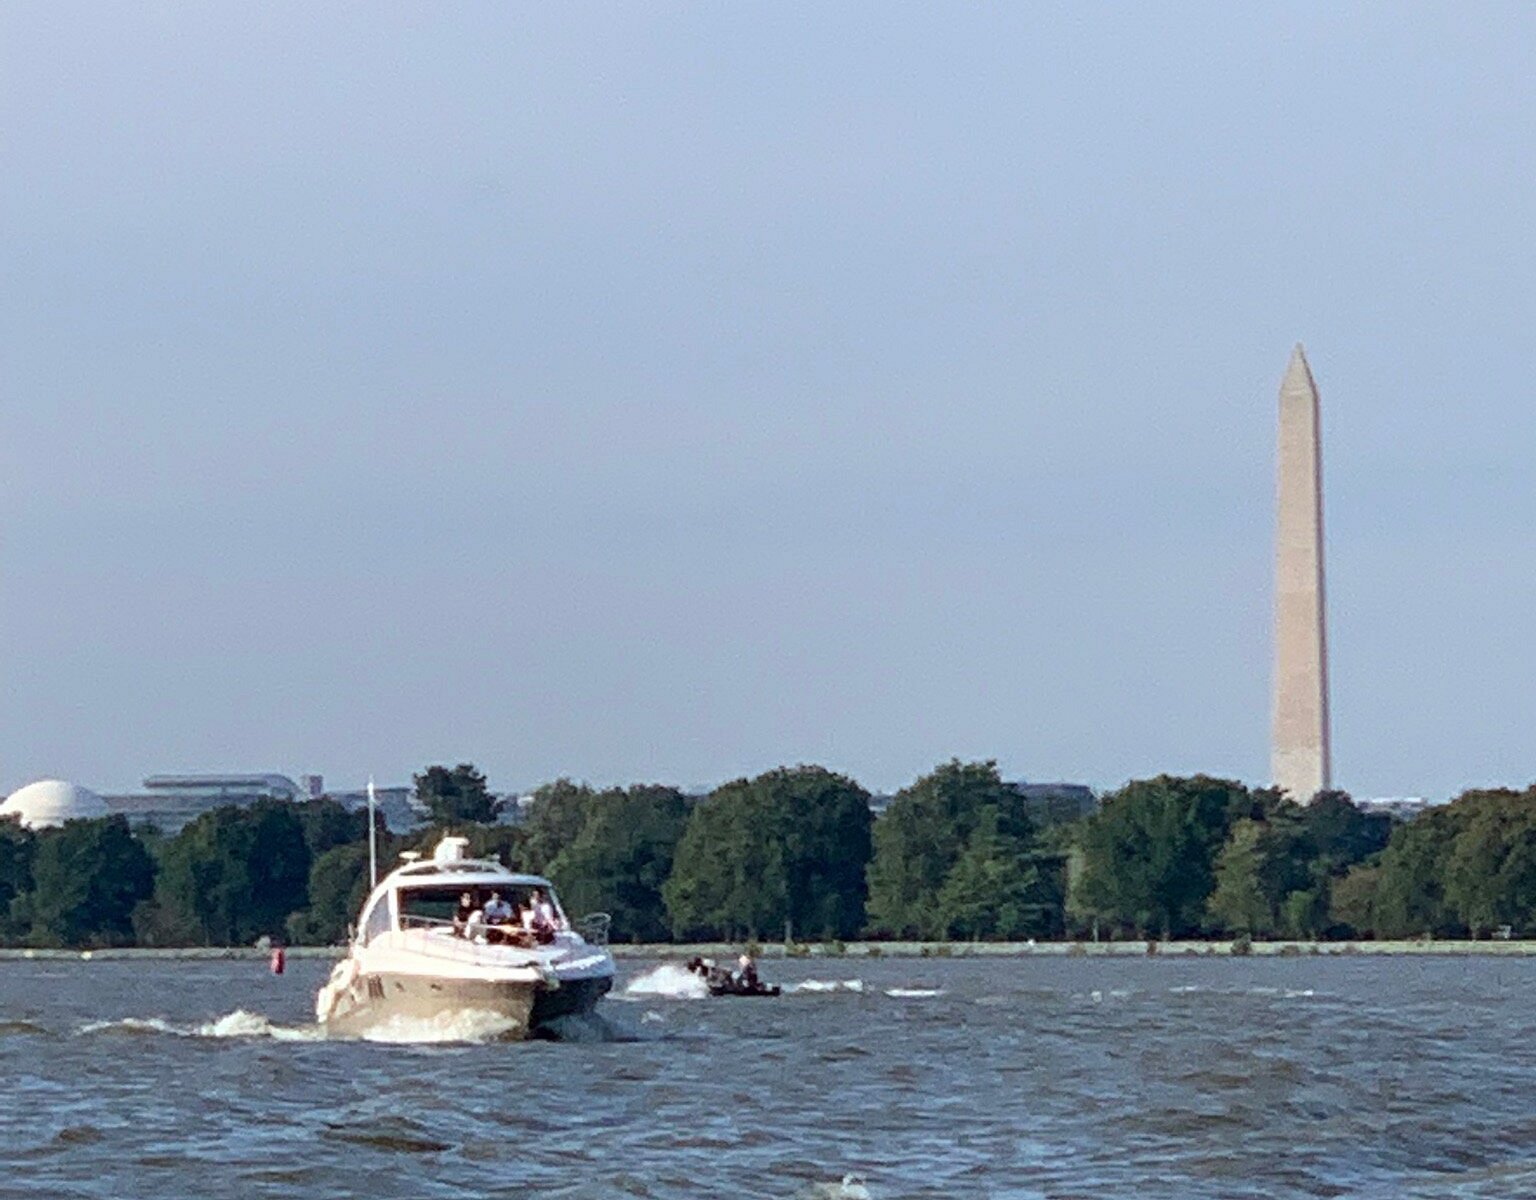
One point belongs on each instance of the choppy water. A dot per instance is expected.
(1023, 1078)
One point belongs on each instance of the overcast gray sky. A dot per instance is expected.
(670, 392)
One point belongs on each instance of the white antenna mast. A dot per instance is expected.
(373, 847)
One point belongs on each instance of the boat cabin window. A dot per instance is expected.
(436, 904)
(377, 921)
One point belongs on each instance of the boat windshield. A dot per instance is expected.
(440, 904)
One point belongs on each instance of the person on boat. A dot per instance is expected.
(746, 973)
(497, 913)
(497, 910)
(461, 915)
(539, 917)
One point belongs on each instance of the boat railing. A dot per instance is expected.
(448, 937)
(435, 937)
(411, 921)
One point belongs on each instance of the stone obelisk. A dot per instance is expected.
(1301, 752)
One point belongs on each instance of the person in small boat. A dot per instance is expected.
(461, 916)
(746, 973)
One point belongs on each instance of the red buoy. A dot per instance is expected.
(279, 960)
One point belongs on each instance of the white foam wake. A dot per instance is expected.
(670, 981)
(827, 985)
(903, 993)
(458, 1025)
(851, 1188)
(464, 1025)
(237, 1024)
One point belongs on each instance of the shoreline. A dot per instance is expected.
(869, 950)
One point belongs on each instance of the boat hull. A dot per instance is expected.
(571, 998)
(375, 1000)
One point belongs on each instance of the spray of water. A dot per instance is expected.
(237, 1024)
(670, 981)
(467, 1025)
(826, 985)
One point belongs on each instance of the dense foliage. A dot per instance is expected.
(87, 879)
(621, 857)
(956, 855)
(784, 853)
(795, 852)
(455, 795)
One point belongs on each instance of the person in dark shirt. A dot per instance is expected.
(461, 915)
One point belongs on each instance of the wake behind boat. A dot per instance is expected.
(453, 934)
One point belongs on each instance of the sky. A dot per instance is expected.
(669, 392)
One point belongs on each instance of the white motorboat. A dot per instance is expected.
(415, 955)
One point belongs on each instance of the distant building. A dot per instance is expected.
(1402, 808)
(169, 802)
(401, 810)
(48, 803)
(1057, 803)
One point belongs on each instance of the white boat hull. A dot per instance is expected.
(374, 1001)
(393, 980)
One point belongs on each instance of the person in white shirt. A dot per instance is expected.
(539, 917)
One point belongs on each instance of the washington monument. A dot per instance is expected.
(1301, 751)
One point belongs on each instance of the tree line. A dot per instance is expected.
(795, 853)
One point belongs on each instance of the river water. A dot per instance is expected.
(1035, 1077)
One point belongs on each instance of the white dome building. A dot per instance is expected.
(51, 802)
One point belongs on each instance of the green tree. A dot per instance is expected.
(996, 888)
(622, 857)
(554, 820)
(455, 796)
(338, 885)
(1339, 834)
(1238, 903)
(327, 824)
(784, 851)
(88, 877)
(922, 836)
(1517, 877)
(1352, 900)
(1149, 852)
(1304, 912)
(18, 845)
(728, 878)
(235, 874)
(1490, 866)
(1410, 897)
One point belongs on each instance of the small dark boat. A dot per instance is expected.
(728, 983)
(736, 987)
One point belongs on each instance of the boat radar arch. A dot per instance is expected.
(451, 850)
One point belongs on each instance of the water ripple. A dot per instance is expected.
(1375, 1078)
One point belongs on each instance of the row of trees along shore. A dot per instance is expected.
(796, 853)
